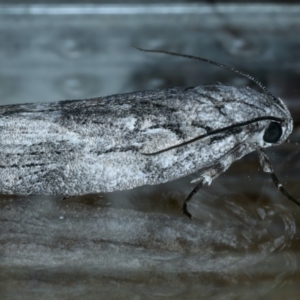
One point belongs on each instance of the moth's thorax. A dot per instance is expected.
(234, 105)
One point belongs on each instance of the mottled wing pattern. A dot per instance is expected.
(96, 145)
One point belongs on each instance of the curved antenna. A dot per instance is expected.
(216, 132)
(216, 64)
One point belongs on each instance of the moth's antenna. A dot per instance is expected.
(216, 64)
(213, 132)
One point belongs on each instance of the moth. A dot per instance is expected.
(122, 141)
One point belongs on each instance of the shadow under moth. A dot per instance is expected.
(123, 141)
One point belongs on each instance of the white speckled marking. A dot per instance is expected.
(97, 145)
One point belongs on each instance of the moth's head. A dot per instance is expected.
(276, 127)
(277, 131)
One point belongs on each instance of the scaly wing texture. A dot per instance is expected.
(96, 145)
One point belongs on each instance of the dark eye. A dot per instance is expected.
(273, 133)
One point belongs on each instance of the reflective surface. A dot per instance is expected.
(138, 245)
(244, 240)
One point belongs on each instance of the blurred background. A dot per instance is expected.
(244, 240)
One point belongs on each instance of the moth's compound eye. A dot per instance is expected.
(273, 133)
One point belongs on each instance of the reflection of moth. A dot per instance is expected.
(124, 141)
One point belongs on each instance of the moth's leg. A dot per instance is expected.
(189, 197)
(207, 177)
(267, 168)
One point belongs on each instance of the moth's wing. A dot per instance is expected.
(24, 126)
(33, 133)
(147, 121)
(42, 143)
(181, 117)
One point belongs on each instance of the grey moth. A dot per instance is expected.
(123, 141)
